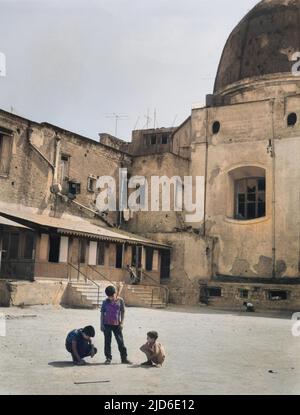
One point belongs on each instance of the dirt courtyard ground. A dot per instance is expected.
(208, 352)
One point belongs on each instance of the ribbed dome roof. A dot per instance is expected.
(262, 43)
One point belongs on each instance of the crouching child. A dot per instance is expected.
(79, 344)
(153, 350)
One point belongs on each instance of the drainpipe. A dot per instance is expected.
(57, 156)
(206, 169)
(273, 155)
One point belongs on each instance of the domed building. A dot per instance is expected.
(242, 150)
(246, 144)
(261, 50)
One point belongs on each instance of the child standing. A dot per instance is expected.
(153, 350)
(112, 320)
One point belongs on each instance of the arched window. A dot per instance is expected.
(216, 127)
(292, 119)
(250, 198)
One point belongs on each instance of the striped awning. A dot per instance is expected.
(75, 226)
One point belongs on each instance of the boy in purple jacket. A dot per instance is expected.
(112, 320)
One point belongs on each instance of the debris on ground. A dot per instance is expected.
(16, 317)
(89, 383)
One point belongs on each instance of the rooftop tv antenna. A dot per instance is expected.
(148, 119)
(155, 118)
(175, 118)
(136, 124)
(117, 118)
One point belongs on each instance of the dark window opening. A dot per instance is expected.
(149, 259)
(119, 256)
(153, 140)
(64, 167)
(101, 253)
(164, 139)
(216, 127)
(133, 256)
(165, 264)
(244, 293)
(5, 245)
(278, 295)
(292, 119)
(83, 245)
(250, 198)
(14, 246)
(54, 241)
(136, 256)
(29, 246)
(214, 292)
(74, 188)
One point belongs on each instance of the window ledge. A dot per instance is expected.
(4, 175)
(246, 222)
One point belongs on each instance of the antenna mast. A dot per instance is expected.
(117, 118)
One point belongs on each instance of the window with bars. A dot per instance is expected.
(250, 198)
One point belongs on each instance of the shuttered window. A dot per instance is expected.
(5, 153)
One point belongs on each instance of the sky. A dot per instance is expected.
(78, 63)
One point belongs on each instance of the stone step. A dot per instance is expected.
(144, 294)
(89, 284)
(50, 279)
(88, 290)
(94, 297)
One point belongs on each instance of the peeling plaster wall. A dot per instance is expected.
(191, 260)
(157, 165)
(30, 176)
(245, 248)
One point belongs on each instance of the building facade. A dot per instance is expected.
(245, 143)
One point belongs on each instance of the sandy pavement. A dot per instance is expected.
(208, 352)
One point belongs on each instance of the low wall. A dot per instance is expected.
(4, 294)
(258, 295)
(18, 293)
(184, 296)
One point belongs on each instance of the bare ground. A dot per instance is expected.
(208, 352)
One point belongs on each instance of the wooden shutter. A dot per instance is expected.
(5, 154)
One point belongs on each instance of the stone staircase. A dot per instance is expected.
(85, 294)
(89, 292)
(146, 296)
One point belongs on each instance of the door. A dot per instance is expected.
(165, 262)
(17, 255)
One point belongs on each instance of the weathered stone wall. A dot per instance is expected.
(157, 165)
(191, 259)
(140, 147)
(258, 296)
(30, 176)
(246, 248)
(33, 293)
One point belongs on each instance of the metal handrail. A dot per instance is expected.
(118, 287)
(167, 291)
(86, 278)
(102, 275)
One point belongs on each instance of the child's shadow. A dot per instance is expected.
(71, 364)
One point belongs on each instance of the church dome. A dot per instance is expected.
(263, 43)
